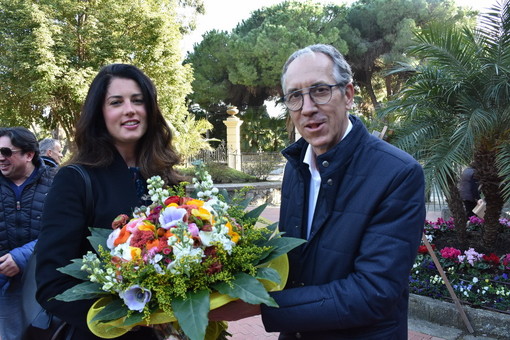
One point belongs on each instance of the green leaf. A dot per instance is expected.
(98, 237)
(83, 291)
(280, 246)
(248, 289)
(255, 213)
(272, 227)
(74, 269)
(114, 310)
(269, 274)
(191, 313)
(133, 319)
(244, 203)
(226, 196)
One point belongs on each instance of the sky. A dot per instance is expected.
(226, 14)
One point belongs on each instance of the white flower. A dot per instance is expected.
(123, 251)
(112, 237)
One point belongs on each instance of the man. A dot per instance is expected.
(468, 189)
(51, 152)
(24, 183)
(357, 200)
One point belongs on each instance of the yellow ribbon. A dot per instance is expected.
(116, 328)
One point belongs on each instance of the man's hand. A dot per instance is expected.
(233, 311)
(7, 266)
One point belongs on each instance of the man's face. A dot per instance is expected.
(18, 166)
(56, 153)
(324, 125)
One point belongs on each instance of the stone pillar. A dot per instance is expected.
(233, 138)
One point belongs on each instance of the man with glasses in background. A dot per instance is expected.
(24, 183)
(51, 152)
(359, 203)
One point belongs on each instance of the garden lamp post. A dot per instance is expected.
(233, 124)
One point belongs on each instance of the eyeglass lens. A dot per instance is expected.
(320, 94)
(7, 152)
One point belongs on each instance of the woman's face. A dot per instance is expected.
(124, 112)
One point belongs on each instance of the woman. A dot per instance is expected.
(121, 139)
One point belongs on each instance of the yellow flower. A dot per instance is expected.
(233, 235)
(202, 213)
(146, 225)
(198, 203)
(135, 252)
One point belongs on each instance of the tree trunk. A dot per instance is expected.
(456, 207)
(370, 90)
(487, 175)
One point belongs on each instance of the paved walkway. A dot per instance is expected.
(252, 328)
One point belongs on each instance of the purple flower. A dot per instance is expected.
(171, 216)
(135, 297)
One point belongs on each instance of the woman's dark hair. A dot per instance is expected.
(24, 139)
(94, 146)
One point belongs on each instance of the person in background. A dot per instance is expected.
(51, 152)
(468, 189)
(24, 183)
(121, 139)
(357, 200)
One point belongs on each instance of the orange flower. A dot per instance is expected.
(152, 244)
(123, 236)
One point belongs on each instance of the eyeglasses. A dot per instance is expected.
(319, 94)
(7, 152)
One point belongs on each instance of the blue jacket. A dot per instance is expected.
(20, 221)
(350, 280)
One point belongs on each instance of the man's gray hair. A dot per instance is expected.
(47, 144)
(341, 69)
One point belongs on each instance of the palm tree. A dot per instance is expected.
(456, 109)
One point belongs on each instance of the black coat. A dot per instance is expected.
(64, 235)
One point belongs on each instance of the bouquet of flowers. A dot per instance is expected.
(173, 261)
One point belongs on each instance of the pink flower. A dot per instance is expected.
(476, 220)
(193, 229)
(450, 253)
(472, 256)
(506, 260)
(132, 225)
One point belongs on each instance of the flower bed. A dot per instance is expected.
(479, 280)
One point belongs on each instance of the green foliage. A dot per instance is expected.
(455, 108)
(243, 67)
(51, 49)
(189, 134)
(379, 32)
(260, 132)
